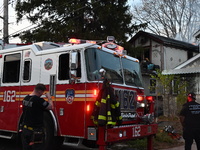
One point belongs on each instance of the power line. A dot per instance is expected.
(22, 30)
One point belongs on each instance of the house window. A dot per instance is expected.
(11, 69)
(152, 89)
(189, 54)
(175, 86)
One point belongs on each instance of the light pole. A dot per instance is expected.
(5, 22)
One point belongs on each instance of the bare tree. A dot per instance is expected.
(170, 18)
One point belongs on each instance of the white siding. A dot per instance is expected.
(173, 57)
(156, 53)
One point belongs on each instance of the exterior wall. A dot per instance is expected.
(173, 57)
(146, 84)
(156, 56)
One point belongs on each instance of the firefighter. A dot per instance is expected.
(190, 120)
(33, 107)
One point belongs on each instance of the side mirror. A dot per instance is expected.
(74, 60)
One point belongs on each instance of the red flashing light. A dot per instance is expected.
(93, 42)
(21, 106)
(88, 108)
(74, 41)
(1, 56)
(120, 48)
(95, 92)
(92, 134)
(149, 98)
(79, 41)
(140, 98)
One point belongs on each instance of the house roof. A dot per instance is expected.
(166, 41)
(182, 71)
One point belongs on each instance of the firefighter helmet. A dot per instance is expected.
(192, 95)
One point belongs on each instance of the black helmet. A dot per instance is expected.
(192, 95)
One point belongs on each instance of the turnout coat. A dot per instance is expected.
(107, 108)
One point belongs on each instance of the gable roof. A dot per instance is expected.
(182, 71)
(166, 41)
(184, 68)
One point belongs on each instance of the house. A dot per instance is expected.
(164, 53)
(190, 70)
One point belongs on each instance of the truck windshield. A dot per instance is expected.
(132, 75)
(97, 59)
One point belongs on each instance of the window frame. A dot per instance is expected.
(10, 76)
(30, 69)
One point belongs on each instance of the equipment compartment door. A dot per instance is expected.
(70, 94)
(70, 107)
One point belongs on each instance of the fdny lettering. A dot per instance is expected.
(9, 96)
(194, 109)
(28, 103)
(195, 112)
(136, 131)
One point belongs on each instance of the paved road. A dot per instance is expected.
(182, 147)
(6, 144)
(11, 145)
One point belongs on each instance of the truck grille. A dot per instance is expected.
(128, 103)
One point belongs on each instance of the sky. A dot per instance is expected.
(14, 27)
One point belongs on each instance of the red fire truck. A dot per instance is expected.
(72, 74)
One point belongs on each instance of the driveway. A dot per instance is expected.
(182, 147)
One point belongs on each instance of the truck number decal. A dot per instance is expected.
(136, 131)
(126, 98)
(9, 96)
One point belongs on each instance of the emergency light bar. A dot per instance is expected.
(79, 41)
(113, 46)
(110, 43)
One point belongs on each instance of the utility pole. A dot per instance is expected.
(5, 23)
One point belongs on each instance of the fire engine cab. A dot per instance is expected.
(74, 74)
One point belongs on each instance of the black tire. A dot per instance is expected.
(51, 142)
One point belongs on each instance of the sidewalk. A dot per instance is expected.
(182, 147)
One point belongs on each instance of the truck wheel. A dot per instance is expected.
(51, 142)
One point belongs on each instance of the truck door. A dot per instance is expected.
(70, 92)
(10, 91)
